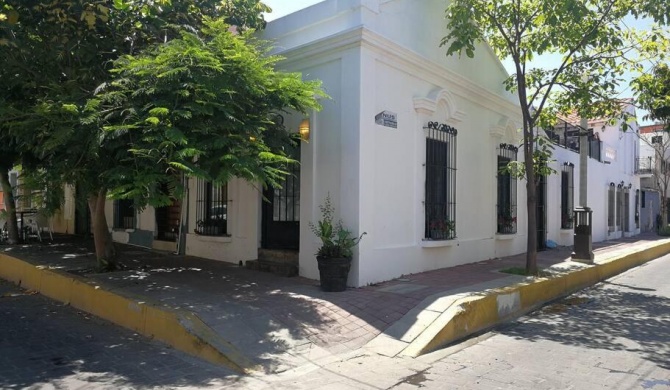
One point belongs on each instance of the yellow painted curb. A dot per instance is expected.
(180, 329)
(473, 314)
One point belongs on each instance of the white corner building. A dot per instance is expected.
(408, 146)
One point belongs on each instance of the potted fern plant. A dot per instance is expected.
(336, 250)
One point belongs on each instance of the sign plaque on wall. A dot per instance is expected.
(387, 119)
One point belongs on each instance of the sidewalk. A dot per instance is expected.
(283, 323)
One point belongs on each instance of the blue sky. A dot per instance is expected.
(285, 7)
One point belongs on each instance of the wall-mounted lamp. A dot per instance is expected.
(304, 130)
(630, 185)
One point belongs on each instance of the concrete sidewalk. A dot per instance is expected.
(251, 320)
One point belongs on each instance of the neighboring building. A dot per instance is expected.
(653, 166)
(613, 188)
(408, 146)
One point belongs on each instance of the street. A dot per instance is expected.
(614, 336)
(46, 345)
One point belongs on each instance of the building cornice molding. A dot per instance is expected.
(403, 59)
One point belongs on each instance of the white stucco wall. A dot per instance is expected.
(619, 152)
(371, 58)
(241, 243)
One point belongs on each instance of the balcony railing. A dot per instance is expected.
(568, 136)
(644, 165)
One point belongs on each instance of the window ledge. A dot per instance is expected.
(567, 231)
(220, 239)
(439, 243)
(504, 237)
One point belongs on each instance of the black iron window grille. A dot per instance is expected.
(286, 200)
(568, 136)
(626, 209)
(440, 197)
(506, 207)
(657, 139)
(124, 214)
(211, 209)
(567, 195)
(637, 209)
(619, 206)
(610, 207)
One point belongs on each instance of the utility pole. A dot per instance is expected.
(583, 244)
(583, 160)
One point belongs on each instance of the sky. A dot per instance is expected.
(284, 7)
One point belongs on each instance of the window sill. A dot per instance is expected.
(439, 243)
(567, 231)
(219, 239)
(505, 237)
(123, 230)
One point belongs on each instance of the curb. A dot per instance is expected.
(180, 329)
(443, 319)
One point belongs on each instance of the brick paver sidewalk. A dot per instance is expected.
(279, 322)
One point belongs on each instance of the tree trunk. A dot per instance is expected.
(531, 208)
(10, 207)
(664, 208)
(104, 245)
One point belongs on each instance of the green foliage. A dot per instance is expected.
(336, 241)
(541, 157)
(204, 105)
(653, 93)
(664, 231)
(125, 95)
(522, 272)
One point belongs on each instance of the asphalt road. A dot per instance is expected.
(613, 336)
(48, 345)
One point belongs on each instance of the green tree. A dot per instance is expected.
(652, 91)
(592, 47)
(128, 94)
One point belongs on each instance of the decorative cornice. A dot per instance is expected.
(428, 106)
(403, 59)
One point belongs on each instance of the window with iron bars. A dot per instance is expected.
(626, 209)
(124, 214)
(620, 207)
(610, 207)
(567, 195)
(211, 211)
(506, 207)
(440, 197)
(637, 209)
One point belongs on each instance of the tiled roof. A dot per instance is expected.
(651, 128)
(573, 118)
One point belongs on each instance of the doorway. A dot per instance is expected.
(280, 219)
